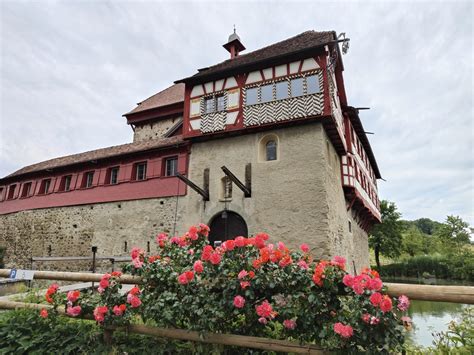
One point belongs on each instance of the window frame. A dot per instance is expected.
(26, 193)
(165, 165)
(85, 180)
(274, 150)
(110, 175)
(137, 170)
(45, 186)
(11, 192)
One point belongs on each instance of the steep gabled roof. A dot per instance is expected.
(171, 95)
(304, 41)
(98, 154)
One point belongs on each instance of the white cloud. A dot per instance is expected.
(68, 72)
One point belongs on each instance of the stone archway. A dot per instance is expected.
(227, 225)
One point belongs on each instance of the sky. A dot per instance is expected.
(70, 69)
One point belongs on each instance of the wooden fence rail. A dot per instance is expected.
(455, 294)
(189, 335)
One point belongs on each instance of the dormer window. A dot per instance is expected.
(44, 187)
(11, 192)
(65, 184)
(26, 190)
(88, 179)
(140, 171)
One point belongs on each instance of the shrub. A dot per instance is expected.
(457, 266)
(248, 286)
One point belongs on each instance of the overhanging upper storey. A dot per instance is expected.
(290, 82)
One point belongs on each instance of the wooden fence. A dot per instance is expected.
(456, 294)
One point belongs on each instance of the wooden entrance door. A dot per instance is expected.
(227, 225)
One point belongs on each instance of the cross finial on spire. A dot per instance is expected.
(234, 27)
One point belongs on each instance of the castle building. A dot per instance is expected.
(264, 141)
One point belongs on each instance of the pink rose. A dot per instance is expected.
(263, 320)
(304, 248)
(403, 303)
(303, 265)
(74, 311)
(242, 274)
(289, 324)
(344, 331)
(72, 296)
(198, 266)
(239, 301)
(215, 258)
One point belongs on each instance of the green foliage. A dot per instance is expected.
(426, 225)
(386, 238)
(458, 339)
(459, 266)
(454, 232)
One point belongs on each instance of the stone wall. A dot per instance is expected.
(153, 130)
(72, 231)
(298, 198)
(353, 245)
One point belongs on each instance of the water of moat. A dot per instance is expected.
(431, 317)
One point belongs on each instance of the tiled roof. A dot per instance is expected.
(168, 96)
(303, 41)
(98, 154)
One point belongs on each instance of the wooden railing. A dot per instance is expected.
(457, 294)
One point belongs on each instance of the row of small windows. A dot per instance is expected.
(138, 174)
(283, 89)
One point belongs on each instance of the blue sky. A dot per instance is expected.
(69, 70)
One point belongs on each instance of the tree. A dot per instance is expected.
(413, 241)
(454, 232)
(386, 238)
(427, 225)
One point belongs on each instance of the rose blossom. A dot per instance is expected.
(289, 324)
(215, 258)
(119, 310)
(137, 263)
(182, 279)
(244, 284)
(44, 313)
(345, 331)
(375, 299)
(304, 248)
(265, 310)
(242, 274)
(262, 320)
(348, 280)
(386, 304)
(74, 311)
(240, 242)
(99, 313)
(72, 296)
(198, 266)
(239, 301)
(403, 303)
(303, 265)
(339, 261)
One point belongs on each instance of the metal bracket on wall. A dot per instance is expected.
(204, 193)
(246, 188)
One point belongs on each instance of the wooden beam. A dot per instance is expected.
(235, 180)
(455, 294)
(203, 193)
(75, 276)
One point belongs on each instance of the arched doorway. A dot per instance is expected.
(227, 225)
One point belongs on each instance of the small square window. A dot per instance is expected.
(140, 171)
(220, 100)
(281, 90)
(297, 87)
(209, 105)
(267, 93)
(26, 190)
(251, 97)
(113, 179)
(1, 193)
(171, 166)
(88, 179)
(44, 187)
(11, 192)
(312, 84)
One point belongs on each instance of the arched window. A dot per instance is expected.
(271, 150)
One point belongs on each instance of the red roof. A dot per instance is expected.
(172, 95)
(304, 41)
(98, 154)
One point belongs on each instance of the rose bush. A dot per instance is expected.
(253, 287)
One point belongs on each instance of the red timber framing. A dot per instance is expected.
(154, 184)
(334, 132)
